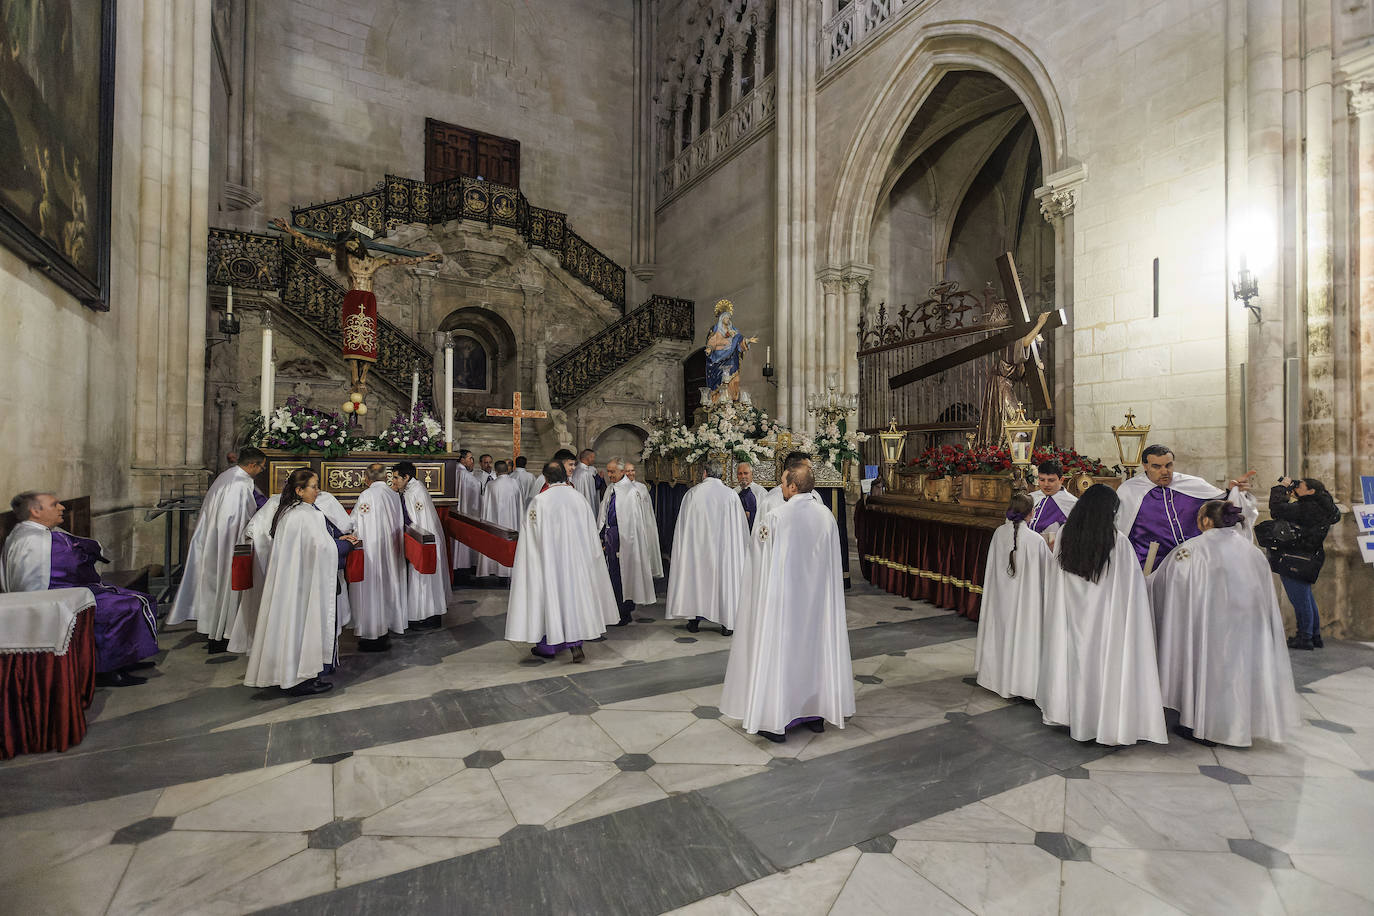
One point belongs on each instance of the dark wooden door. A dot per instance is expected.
(451, 151)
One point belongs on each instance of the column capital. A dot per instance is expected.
(856, 275)
(830, 278)
(1361, 97)
(1058, 196)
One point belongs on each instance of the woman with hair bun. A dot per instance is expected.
(1098, 673)
(1007, 657)
(1223, 663)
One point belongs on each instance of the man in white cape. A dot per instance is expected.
(1160, 506)
(1223, 659)
(469, 503)
(560, 593)
(486, 470)
(205, 595)
(426, 593)
(585, 477)
(1051, 503)
(774, 498)
(502, 504)
(711, 554)
(627, 532)
(790, 663)
(751, 495)
(295, 636)
(538, 485)
(653, 546)
(523, 479)
(379, 601)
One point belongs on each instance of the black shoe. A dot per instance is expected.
(1316, 640)
(818, 726)
(775, 737)
(139, 666)
(1185, 732)
(380, 644)
(1302, 642)
(726, 631)
(578, 655)
(624, 622)
(693, 625)
(537, 654)
(216, 646)
(118, 679)
(309, 688)
(429, 623)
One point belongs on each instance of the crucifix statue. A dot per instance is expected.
(1021, 342)
(516, 415)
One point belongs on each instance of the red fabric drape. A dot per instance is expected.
(43, 697)
(487, 543)
(930, 561)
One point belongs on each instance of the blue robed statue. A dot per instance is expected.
(724, 347)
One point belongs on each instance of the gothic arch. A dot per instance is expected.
(498, 341)
(941, 48)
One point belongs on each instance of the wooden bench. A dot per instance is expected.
(77, 520)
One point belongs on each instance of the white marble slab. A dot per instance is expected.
(624, 790)
(1201, 883)
(882, 885)
(710, 741)
(80, 886)
(1039, 805)
(299, 800)
(975, 823)
(995, 879)
(364, 785)
(809, 889)
(539, 790)
(467, 804)
(370, 857)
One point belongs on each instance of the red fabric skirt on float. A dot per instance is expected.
(359, 325)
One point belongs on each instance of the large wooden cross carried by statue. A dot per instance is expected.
(1024, 332)
(516, 415)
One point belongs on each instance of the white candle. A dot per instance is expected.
(414, 389)
(448, 394)
(768, 355)
(265, 388)
(229, 308)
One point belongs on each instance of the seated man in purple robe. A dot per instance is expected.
(38, 555)
(1160, 506)
(1052, 503)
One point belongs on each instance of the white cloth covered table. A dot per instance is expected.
(41, 621)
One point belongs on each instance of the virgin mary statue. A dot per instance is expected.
(724, 347)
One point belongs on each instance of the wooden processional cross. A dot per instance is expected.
(516, 415)
(1024, 331)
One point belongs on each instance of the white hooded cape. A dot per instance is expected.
(655, 547)
(204, 594)
(296, 629)
(712, 555)
(28, 558)
(469, 503)
(1007, 656)
(584, 481)
(790, 655)
(426, 595)
(379, 601)
(772, 500)
(1097, 657)
(1132, 493)
(523, 479)
(502, 504)
(559, 587)
(1223, 658)
(638, 539)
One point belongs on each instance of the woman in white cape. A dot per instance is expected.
(296, 629)
(1098, 673)
(1223, 661)
(1007, 657)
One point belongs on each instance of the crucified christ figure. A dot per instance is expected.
(359, 320)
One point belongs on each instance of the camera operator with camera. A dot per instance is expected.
(1303, 512)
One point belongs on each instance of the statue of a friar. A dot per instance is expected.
(724, 347)
(351, 252)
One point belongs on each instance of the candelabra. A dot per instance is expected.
(831, 405)
(660, 416)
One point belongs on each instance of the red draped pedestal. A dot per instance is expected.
(932, 552)
(43, 697)
(489, 540)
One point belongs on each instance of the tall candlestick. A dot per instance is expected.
(414, 389)
(265, 388)
(229, 307)
(448, 392)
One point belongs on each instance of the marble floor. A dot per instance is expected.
(457, 774)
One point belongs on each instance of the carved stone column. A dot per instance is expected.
(855, 279)
(1058, 197)
(1319, 397)
(1362, 108)
(643, 173)
(225, 402)
(832, 311)
(675, 132)
(717, 70)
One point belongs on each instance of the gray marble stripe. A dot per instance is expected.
(649, 859)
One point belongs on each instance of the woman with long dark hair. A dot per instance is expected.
(1306, 504)
(1007, 656)
(1098, 673)
(296, 629)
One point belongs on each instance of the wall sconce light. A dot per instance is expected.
(768, 367)
(1246, 288)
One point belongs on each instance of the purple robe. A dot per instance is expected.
(1167, 517)
(751, 505)
(1045, 514)
(610, 546)
(125, 620)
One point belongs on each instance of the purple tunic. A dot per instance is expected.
(125, 620)
(751, 506)
(1167, 517)
(610, 546)
(1045, 514)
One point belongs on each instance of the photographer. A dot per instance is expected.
(1306, 505)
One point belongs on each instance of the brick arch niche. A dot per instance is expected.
(486, 365)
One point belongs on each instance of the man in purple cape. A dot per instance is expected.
(1161, 506)
(1052, 502)
(38, 555)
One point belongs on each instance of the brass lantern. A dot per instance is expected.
(1130, 442)
(1020, 435)
(892, 441)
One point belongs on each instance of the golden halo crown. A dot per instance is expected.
(724, 305)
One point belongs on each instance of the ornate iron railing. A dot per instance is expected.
(249, 260)
(857, 23)
(396, 201)
(661, 317)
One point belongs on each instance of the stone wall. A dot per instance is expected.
(343, 89)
